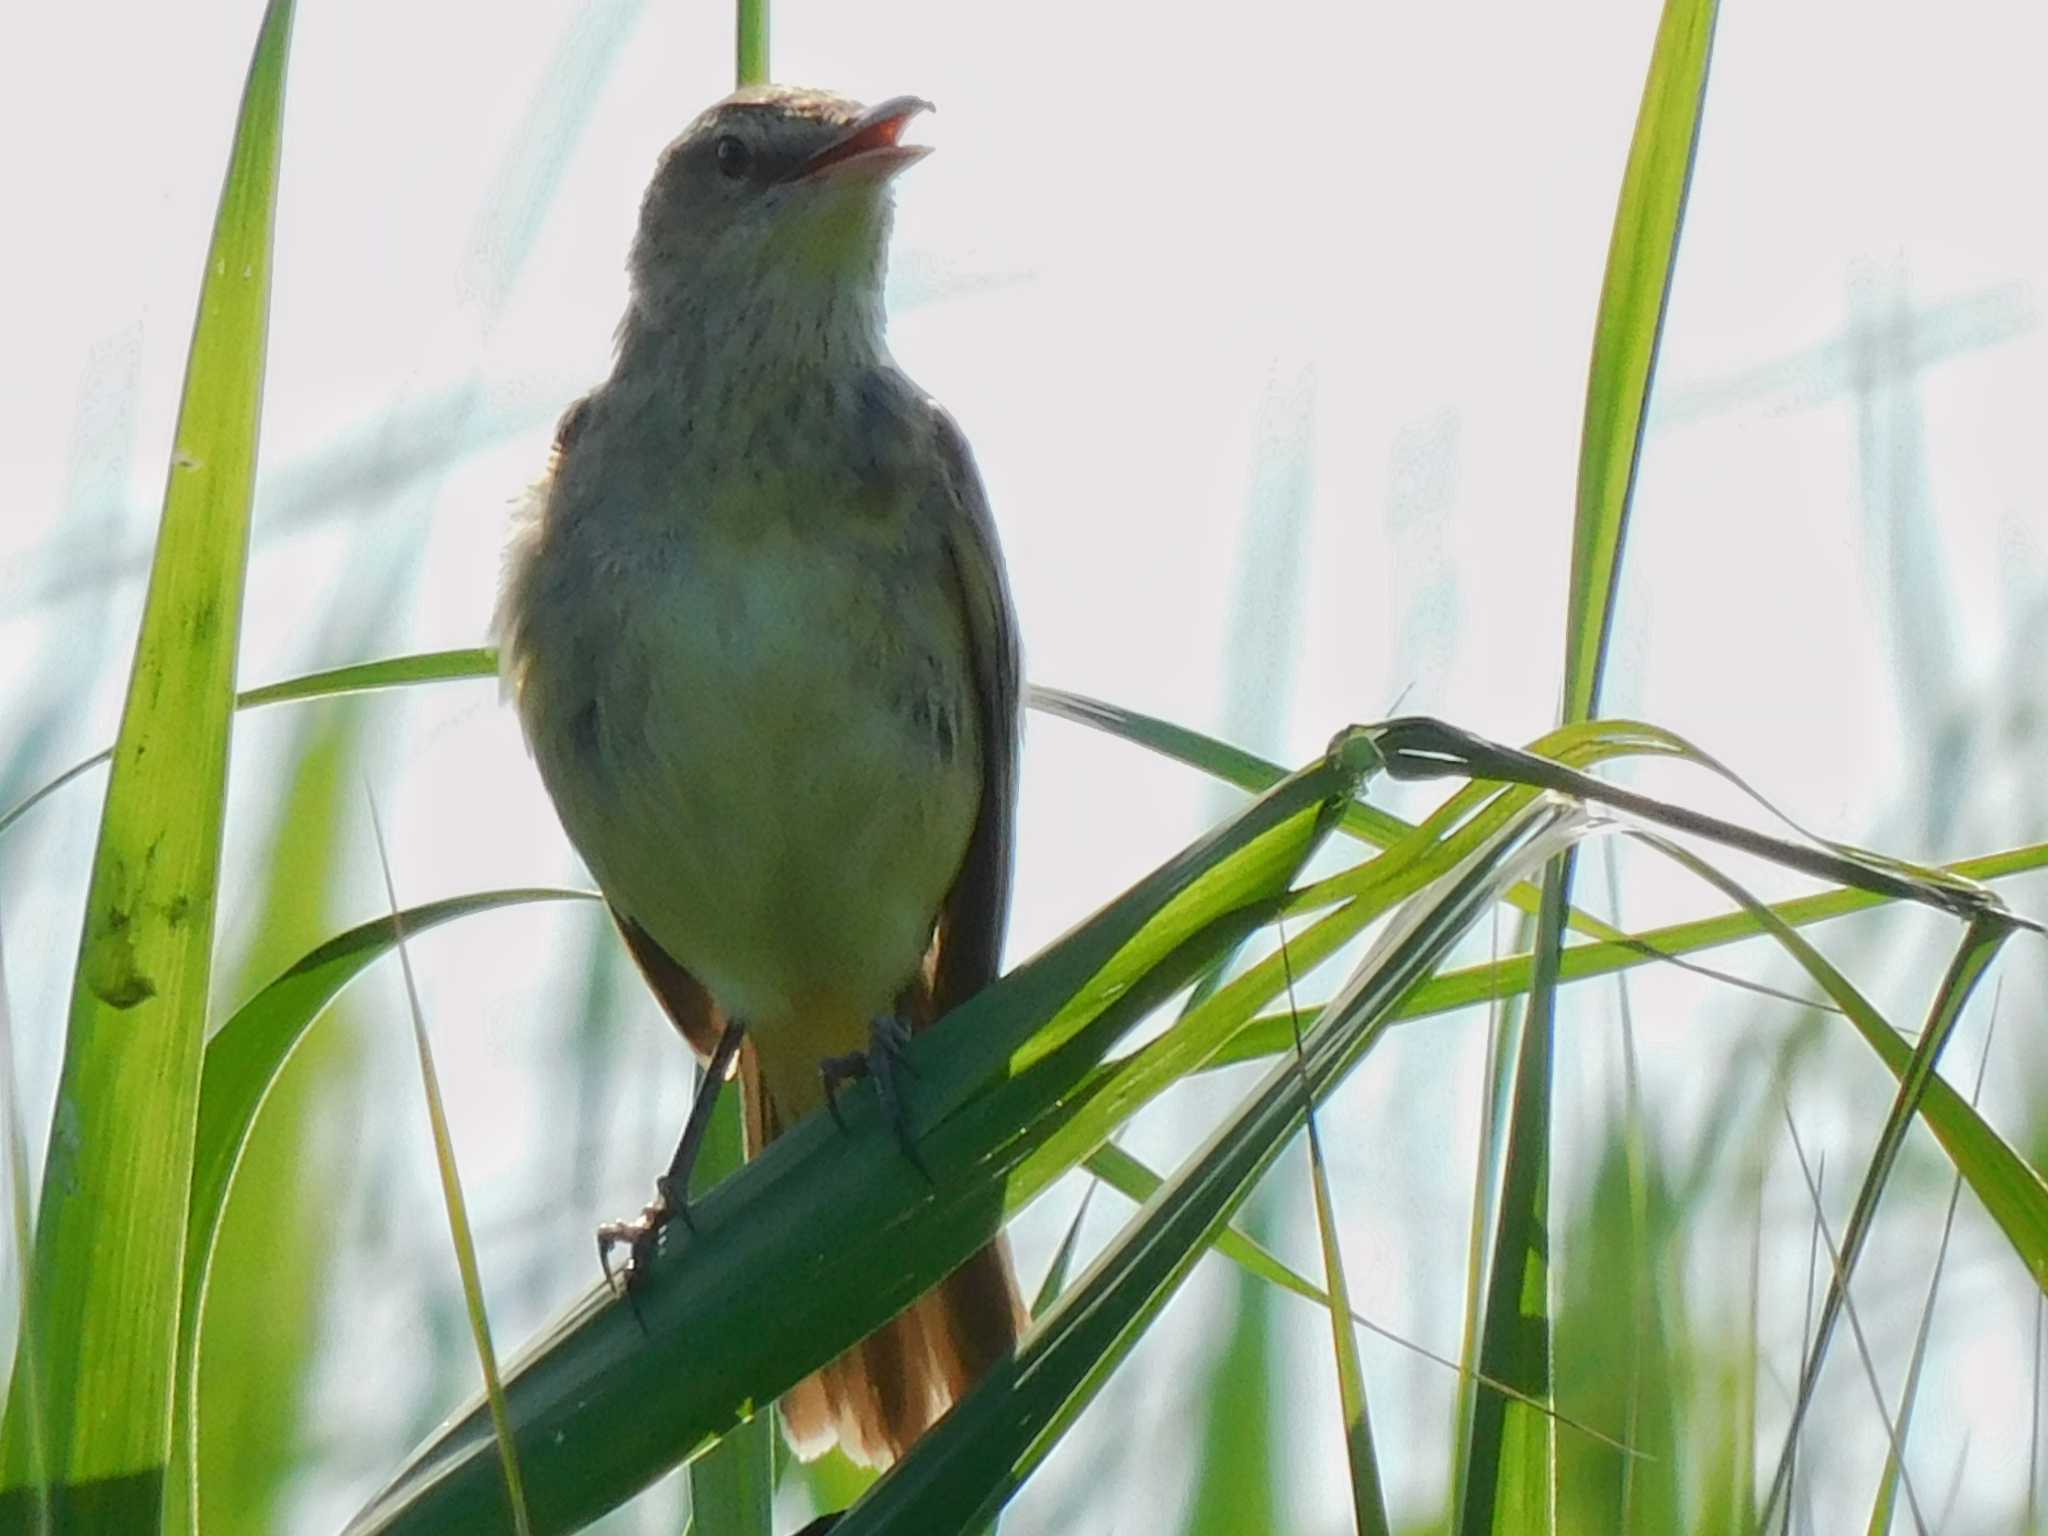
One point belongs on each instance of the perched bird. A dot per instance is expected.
(757, 628)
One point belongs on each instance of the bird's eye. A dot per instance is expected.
(733, 155)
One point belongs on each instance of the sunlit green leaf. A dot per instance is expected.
(110, 1238)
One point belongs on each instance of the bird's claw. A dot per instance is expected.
(886, 1061)
(640, 1235)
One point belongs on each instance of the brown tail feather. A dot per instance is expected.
(877, 1398)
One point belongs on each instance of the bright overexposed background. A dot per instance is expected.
(1269, 326)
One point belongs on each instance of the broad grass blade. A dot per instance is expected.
(106, 1276)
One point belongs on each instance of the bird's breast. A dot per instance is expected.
(763, 739)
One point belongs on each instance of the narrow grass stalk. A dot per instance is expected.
(26, 1367)
(1895, 1455)
(457, 1207)
(1973, 957)
(751, 63)
(1368, 1498)
(1895, 1462)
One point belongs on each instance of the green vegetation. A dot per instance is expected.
(1600, 1391)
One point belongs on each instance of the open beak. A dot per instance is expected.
(868, 149)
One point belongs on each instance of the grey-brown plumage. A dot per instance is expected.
(759, 636)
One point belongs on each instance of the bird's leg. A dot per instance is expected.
(672, 1189)
(886, 1062)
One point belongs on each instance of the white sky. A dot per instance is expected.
(1154, 245)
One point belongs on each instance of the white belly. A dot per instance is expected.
(780, 773)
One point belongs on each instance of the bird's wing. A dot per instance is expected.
(967, 944)
(682, 996)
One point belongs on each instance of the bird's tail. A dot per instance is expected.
(877, 1398)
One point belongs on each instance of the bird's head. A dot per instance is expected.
(772, 195)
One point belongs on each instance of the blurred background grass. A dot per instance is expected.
(1270, 332)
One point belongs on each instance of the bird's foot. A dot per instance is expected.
(886, 1061)
(640, 1235)
(671, 1200)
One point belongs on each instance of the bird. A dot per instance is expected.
(757, 629)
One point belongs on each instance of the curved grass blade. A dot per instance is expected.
(1219, 759)
(2012, 1192)
(452, 1198)
(1231, 764)
(274, 1282)
(1600, 739)
(250, 1049)
(1820, 1182)
(600, 1407)
(463, 664)
(111, 1233)
(1248, 771)
(1475, 984)
(37, 796)
(1368, 1498)
(1422, 748)
(1882, 1506)
(1062, 1264)
(361, 677)
(1641, 255)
